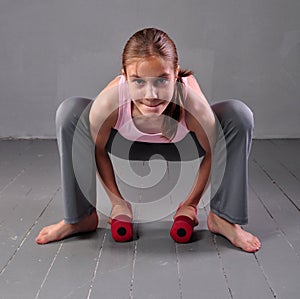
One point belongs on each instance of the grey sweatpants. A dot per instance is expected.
(229, 201)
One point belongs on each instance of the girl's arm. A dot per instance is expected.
(200, 120)
(103, 116)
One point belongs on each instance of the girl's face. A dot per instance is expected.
(151, 84)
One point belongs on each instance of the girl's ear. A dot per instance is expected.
(123, 72)
(177, 71)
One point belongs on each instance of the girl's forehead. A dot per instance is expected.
(149, 67)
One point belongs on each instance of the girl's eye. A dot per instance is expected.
(161, 81)
(138, 81)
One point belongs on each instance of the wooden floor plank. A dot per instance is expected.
(283, 212)
(12, 160)
(200, 270)
(25, 272)
(268, 157)
(114, 272)
(287, 151)
(278, 257)
(243, 273)
(152, 265)
(80, 250)
(155, 270)
(23, 201)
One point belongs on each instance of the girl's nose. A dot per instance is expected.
(150, 92)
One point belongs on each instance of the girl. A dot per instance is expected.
(154, 101)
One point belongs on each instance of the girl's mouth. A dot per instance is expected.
(152, 103)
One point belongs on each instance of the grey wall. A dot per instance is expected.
(50, 50)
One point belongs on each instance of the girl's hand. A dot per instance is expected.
(122, 208)
(187, 210)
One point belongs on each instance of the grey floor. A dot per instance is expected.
(152, 266)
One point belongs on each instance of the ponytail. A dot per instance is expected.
(175, 109)
(183, 73)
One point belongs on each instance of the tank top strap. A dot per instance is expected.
(185, 87)
(124, 103)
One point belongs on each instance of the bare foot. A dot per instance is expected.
(233, 232)
(61, 230)
(124, 208)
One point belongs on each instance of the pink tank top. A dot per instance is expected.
(125, 124)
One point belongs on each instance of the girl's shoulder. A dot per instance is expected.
(196, 103)
(113, 83)
(193, 84)
(105, 105)
(109, 93)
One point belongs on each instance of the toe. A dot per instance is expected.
(254, 246)
(43, 237)
(257, 243)
(39, 240)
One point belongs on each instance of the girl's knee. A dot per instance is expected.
(235, 113)
(242, 115)
(70, 110)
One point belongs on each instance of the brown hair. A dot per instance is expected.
(154, 42)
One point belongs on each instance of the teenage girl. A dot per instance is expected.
(154, 101)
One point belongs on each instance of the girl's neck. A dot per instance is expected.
(148, 124)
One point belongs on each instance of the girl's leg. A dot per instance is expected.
(78, 172)
(229, 201)
(76, 148)
(230, 194)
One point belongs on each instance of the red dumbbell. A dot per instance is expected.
(182, 228)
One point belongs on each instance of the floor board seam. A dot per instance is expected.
(283, 164)
(265, 276)
(263, 204)
(16, 251)
(214, 240)
(133, 269)
(289, 171)
(276, 223)
(48, 272)
(96, 266)
(27, 234)
(12, 181)
(179, 273)
(276, 184)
